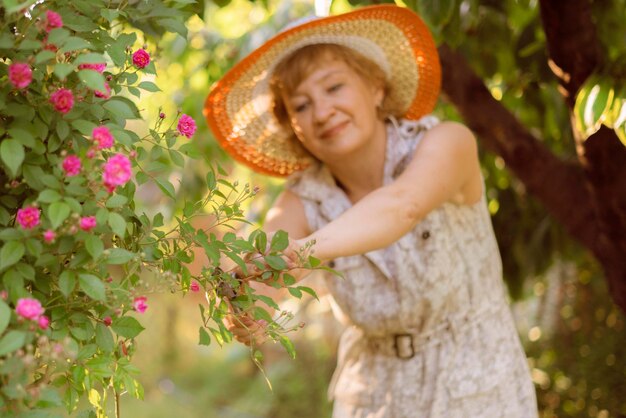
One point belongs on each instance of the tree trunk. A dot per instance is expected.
(587, 197)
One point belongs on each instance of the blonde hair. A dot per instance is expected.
(292, 70)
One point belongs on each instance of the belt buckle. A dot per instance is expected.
(397, 348)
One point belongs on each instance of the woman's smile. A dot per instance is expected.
(333, 131)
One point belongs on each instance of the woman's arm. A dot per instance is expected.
(445, 166)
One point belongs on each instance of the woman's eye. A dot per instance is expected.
(335, 87)
(301, 107)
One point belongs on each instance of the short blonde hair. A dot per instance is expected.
(292, 70)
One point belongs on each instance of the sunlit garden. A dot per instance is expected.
(122, 219)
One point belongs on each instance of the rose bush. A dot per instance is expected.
(78, 258)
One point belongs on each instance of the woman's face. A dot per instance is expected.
(333, 111)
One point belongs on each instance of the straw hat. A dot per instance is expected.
(238, 108)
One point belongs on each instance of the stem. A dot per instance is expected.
(117, 403)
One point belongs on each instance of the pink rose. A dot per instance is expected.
(194, 286)
(103, 137)
(117, 171)
(49, 236)
(103, 94)
(44, 322)
(53, 20)
(186, 126)
(20, 75)
(28, 218)
(71, 165)
(62, 100)
(96, 67)
(87, 223)
(29, 308)
(139, 304)
(141, 58)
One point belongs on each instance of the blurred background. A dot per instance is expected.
(573, 333)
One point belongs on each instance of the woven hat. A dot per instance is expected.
(238, 108)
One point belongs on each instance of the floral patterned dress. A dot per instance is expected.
(429, 332)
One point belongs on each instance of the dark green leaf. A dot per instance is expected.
(117, 224)
(92, 286)
(104, 338)
(12, 341)
(11, 253)
(49, 196)
(119, 256)
(94, 245)
(92, 79)
(67, 282)
(12, 155)
(280, 241)
(5, 316)
(127, 327)
(57, 213)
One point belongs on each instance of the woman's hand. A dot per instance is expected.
(245, 329)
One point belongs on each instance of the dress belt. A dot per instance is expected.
(405, 345)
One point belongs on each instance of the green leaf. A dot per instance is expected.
(104, 338)
(92, 286)
(119, 256)
(166, 187)
(5, 316)
(127, 327)
(49, 196)
(122, 108)
(94, 246)
(11, 253)
(67, 282)
(12, 155)
(73, 43)
(177, 158)
(117, 224)
(25, 137)
(275, 262)
(44, 56)
(57, 213)
(62, 69)
(12, 341)
(90, 58)
(149, 86)
(593, 105)
(92, 79)
(116, 201)
(205, 338)
(286, 342)
(58, 35)
(280, 241)
(295, 292)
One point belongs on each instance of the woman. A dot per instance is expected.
(398, 206)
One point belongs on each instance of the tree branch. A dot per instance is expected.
(572, 43)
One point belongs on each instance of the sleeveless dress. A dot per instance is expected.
(429, 332)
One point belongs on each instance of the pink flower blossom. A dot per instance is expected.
(117, 171)
(49, 236)
(53, 20)
(44, 322)
(194, 286)
(139, 304)
(87, 223)
(99, 67)
(62, 100)
(20, 75)
(186, 126)
(71, 165)
(102, 137)
(29, 308)
(28, 217)
(103, 94)
(107, 321)
(141, 58)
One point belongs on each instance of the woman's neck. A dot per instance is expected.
(363, 171)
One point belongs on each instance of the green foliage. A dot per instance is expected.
(72, 236)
